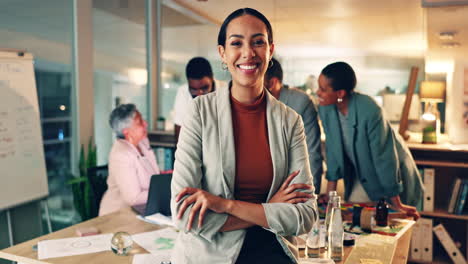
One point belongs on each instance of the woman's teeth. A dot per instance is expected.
(247, 67)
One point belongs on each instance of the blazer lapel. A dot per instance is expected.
(278, 149)
(352, 117)
(226, 139)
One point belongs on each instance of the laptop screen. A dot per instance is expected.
(159, 195)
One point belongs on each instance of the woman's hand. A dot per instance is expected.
(288, 194)
(202, 201)
(409, 210)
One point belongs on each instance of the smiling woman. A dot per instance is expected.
(241, 161)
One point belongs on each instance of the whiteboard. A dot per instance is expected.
(23, 176)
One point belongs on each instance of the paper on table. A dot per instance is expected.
(373, 246)
(159, 242)
(73, 246)
(149, 259)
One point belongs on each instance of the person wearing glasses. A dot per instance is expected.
(200, 81)
(301, 103)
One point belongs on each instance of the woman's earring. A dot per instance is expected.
(224, 66)
(270, 64)
(339, 100)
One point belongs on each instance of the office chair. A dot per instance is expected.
(97, 177)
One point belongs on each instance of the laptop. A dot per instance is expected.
(159, 196)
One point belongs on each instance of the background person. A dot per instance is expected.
(361, 146)
(231, 193)
(303, 104)
(200, 81)
(131, 161)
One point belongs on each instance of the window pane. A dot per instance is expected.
(44, 28)
(120, 74)
(184, 36)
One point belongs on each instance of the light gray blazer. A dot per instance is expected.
(205, 158)
(304, 106)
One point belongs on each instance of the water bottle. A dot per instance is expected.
(313, 241)
(336, 231)
(331, 195)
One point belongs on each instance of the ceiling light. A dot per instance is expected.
(450, 45)
(447, 35)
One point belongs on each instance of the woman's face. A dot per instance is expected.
(246, 51)
(138, 130)
(325, 93)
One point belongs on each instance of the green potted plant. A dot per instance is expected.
(81, 187)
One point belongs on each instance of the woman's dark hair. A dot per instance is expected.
(341, 75)
(198, 68)
(241, 12)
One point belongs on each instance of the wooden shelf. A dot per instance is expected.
(439, 213)
(162, 138)
(162, 132)
(442, 163)
(162, 144)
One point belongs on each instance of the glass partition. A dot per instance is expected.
(44, 28)
(120, 74)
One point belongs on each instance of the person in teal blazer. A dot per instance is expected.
(361, 147)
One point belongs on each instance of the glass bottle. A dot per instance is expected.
(336, 231)
(331, 195)
(313, 241)
(381, 213)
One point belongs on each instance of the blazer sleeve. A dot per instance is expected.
(188, 173)
(294, 219)
(312, 131)
(124, 170)
(384, 154)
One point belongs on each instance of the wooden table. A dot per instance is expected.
(400, 256)
(125, 220)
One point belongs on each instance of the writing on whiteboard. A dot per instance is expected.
(10, 68)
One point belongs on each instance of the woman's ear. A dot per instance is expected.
(221, 52)
(126, 133)
(341, 93)
(272, 49)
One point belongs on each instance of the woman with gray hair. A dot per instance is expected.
(131, 161)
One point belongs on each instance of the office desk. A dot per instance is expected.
(125, 220)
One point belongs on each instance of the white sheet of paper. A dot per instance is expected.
(158, 219)
(73, 246)
(149, 258)
(159, 243)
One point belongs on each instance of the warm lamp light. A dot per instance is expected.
(432, 91)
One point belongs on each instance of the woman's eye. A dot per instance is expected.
(235, 43)
(259, 42)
